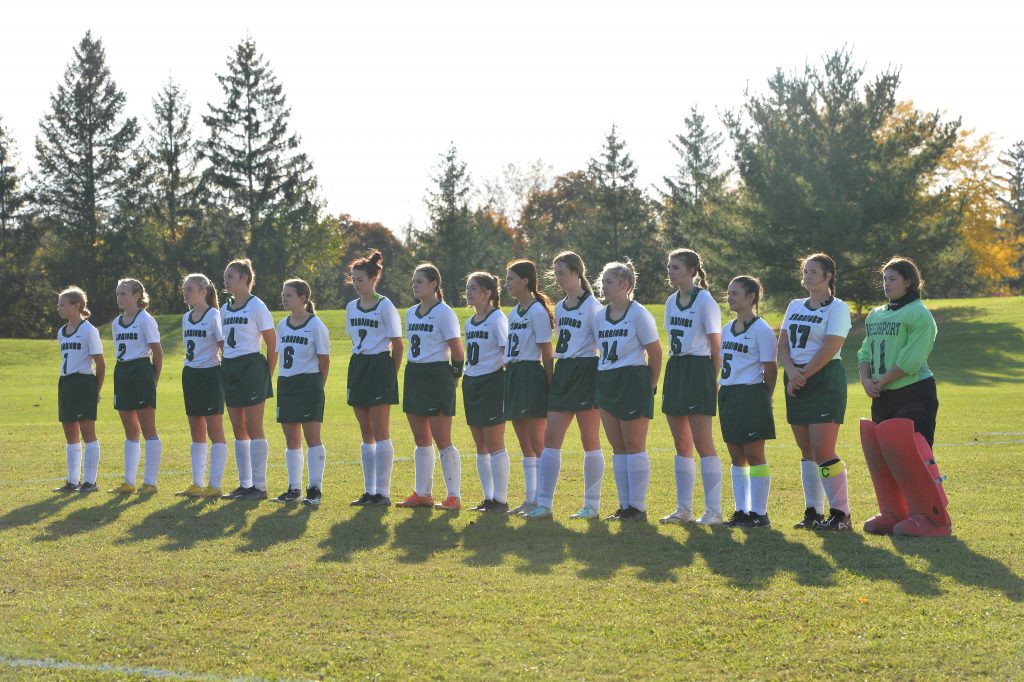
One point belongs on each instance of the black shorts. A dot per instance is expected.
(203, 391)
(822, 400)
(372, 380)
(76, 398)
(246, 380)
(573, 385)
(134, 385)
(918, 402)
(300, 398)
(689, 386)
(526, 391)
(429, 389)
(483, 397)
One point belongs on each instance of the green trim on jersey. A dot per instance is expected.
(693, 299)
(582, 299)
(289, 324)
(201, 317)
(375, 305)
(608, 313)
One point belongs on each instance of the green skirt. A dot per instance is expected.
(300, 398)
(573, 385)
(134, 385)
(429, 389)
(203, 390)
(526, 391)
(246, 380)
(483, 397)
(76, 398)
(626, 392)
(689, 386)
(822, 400)
(745, 413)
(372, 380)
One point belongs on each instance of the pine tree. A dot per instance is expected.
(1013, 205)
(450, 227)
(257, 173)
(12, 198)
(87, 168)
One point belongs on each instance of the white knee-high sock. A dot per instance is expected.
(593, 475)
(73, 452)
(259, 451)
(686, 476)
(760, 484)
(499, 475)
(317, 456)
(244, 463)
(368, 454)
(741, 487)
(451, 468)
(619, 465)
(639, 467)
(424, 459)
(814, 493)
(483, 468)
(550, 464)
(530, 467)
(92, 461)
(154, 453)
(132, 455)
(711, 478)
(384, 461)
(218, 458)
(833, 480)
(293, 462)
(197, 454)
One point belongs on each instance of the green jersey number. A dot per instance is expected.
(563, 341)
(414, 345)
(726, 367)
(609, 353)
(513, 346)
(362, 337)
(676, 343)
(231, 338)
(287, 359)
(472, 353)
(190, 350)
(798, 334)
(122, 348)
(64, 370)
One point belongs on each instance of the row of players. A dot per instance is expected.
(609, 362)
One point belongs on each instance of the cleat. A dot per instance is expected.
(496, 507)
(523, 509)
(837, 521)
(362, 501)
(68, 487)
(738, 519)
(616, 515)
(290, 495)
(538, 512)
(812, 519)
(450, 503)
(212, 493)
(711, 519)
(633, 514)
(679, 516)
(482, 507)
(379, 500)
(122, 489)
(415, 501)
(87, 488)
(254, 494)
(757, 521)
(192, 491)
(147, 489)
(586, 513)
(313, 496)
(235, 494)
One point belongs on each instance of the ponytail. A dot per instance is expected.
(626, 272)
(572, 260)
(692, 260)
(527, 269)
(135, 286)
(204, 282)
(432, 274)
(751, 285)
(244, 266)
(489, 283)
(302, 289)
(828, 267)
(76, 296)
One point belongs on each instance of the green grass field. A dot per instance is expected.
(100, 587)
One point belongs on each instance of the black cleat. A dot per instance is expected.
(364, 499)
(616, 515)
(837, 520)
(757, 521)
(497, 507)
(633, 514)
(86, 488)
(810, 521)
(482, 507)
(379, 500)
(738, 519)
(236, 494)
(313, 496)
(254, 494)
(68, 487)
(290, 495)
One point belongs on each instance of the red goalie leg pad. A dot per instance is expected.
(892, 507)
(913, 467)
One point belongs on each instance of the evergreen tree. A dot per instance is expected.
(87, 170)
(12, 198)
(258, 176)
(1013, 206)
(447, 240)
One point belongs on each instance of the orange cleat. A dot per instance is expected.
(414, 501)
(451, 503)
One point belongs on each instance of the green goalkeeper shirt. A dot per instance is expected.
(903, 336)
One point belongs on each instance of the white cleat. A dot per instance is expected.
(679, 516)
(711, 519)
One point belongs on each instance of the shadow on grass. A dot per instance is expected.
(286, 523)
(491, 539)
(850, 551)
(90, 518)
(364, 531)
(187, 522)
(424, 534)
(952, 557)
(30, 514)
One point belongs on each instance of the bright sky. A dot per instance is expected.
(379, 89)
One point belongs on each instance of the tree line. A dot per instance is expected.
(825, 158)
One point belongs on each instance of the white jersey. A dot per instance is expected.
(298, 347)
(429, 334)
(744, 349)
(526, 329)
(77, 349)
(806, 329)
(244, 327)
(131, 341)
(372, 330)
(576, 328)
(688, 326)
(201, 338)
(622, 343)
(485, 344)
